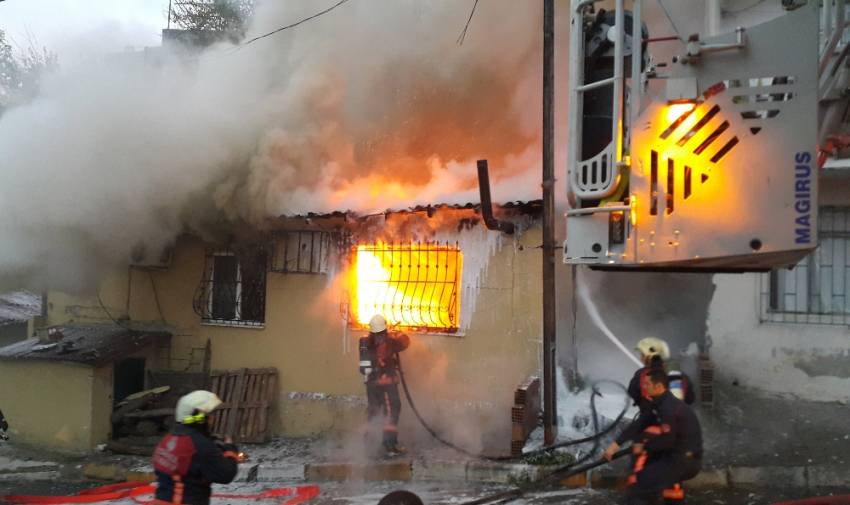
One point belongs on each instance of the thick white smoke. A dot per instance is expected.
(367, 108)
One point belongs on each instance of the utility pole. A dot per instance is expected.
(550, 414)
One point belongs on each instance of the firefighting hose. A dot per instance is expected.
(597, 433)
(559, 474)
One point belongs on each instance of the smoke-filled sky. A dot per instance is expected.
(362, 109)
(75, 29)
(372, 106)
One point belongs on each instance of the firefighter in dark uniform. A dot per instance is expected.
(654, 353)
(379, 364)
(667, 444)
(188, 460)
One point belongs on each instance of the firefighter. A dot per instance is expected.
(667, 444)
(188, 460)
(379, 365)
(654, 353)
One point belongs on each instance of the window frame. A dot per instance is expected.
(207, 291)
(281, 249)
(819, 274)
(454, 297)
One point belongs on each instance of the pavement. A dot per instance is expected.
(360, 493)
(759, 450)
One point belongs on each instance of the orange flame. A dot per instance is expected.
(676, 110)
(410, 285)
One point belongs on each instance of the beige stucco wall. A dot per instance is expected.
(463, 383)
(51, 404)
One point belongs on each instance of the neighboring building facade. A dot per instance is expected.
(20, 314)
(788, 331)
(296, 295)
(58, 390)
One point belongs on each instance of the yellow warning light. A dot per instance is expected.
(676, 110)
(633, 210)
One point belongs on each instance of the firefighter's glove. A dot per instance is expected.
(611, 450)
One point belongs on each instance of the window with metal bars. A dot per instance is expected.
(414, 286)
(302, 252)
(232, 290)
(815, 291)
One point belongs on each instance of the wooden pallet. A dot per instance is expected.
(247, 395)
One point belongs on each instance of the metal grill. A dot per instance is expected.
(302, 252)
(816, 290)
(232, 290)
(415, 286)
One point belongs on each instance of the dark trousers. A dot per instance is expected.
(657, 474)
(384, 402)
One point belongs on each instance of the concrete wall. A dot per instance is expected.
(784, 358)
(470, 376)
(51, 404)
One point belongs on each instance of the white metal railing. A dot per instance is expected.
(833, 33)
(604, 175)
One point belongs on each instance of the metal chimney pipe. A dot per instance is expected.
(486, 205)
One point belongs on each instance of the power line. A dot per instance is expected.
(670, 19)
(462, 36)
(293, 25)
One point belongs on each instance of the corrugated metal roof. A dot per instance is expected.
(19, 306)
(530, 206)
(87, 344)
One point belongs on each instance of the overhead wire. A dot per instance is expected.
(293, 25)
(462, 36)
(670, 19)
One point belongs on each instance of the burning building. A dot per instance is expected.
(295, 295)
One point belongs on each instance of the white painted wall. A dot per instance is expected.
(772, 356)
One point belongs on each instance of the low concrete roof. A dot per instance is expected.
(93, 345)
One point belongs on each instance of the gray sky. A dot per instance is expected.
(74, 28)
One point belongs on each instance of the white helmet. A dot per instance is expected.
(194, 407)
(377, 324)
(652, 346)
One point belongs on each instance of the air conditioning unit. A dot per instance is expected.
(144, 257)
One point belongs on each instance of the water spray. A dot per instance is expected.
(593, 312)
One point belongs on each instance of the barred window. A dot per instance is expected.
(414, 286)
(304, 252)
(815, 291)
(233, 288)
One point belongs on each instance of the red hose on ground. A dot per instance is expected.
(299, 494)
(89, 496)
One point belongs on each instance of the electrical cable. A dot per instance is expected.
(293, 25)
(102, 306)
(156, 297)
(462, 36)
(558, 474)
(597, 435)
(670, 19)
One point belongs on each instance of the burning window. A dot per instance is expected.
(233, 289)
(415, 286)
